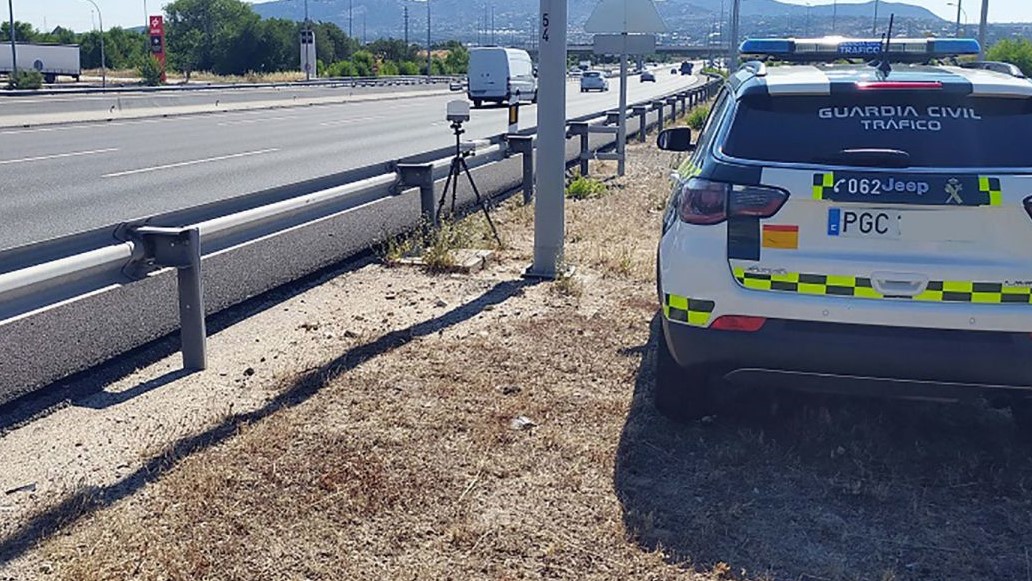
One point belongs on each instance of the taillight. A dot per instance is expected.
(738, 323)
(705, 202)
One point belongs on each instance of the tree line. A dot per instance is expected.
(227, 37)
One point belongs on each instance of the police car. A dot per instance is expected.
(861, 228)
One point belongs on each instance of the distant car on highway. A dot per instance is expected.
(686, 68)
(594, 81)
(858, 228)
(457, 85)
(648, 77)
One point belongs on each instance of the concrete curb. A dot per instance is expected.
(30, 121)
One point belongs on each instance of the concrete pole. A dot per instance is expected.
(981, 29)
(14, 46)
(549, 203)
(874, 26)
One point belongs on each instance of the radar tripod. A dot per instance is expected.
(458, 167)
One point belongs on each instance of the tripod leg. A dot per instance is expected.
(481, 201)
(444, 194)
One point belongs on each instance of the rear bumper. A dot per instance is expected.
(906, 362)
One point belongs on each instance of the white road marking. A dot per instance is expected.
(58, 156)
(186, 163)
(88, 126)
(259, 120)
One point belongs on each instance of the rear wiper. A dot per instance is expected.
(868, 157)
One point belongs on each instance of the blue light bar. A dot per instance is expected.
(837, 47)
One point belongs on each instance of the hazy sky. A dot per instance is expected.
(76, 14)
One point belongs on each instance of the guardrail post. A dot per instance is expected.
(684, 103)
(180, 248)
(612, 117)
(524, 145)
(672, 101)
(641, 111)
(658, 106)
(421, 175)
(581, 128)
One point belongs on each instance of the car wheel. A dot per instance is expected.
(681, 394)
(477, 103)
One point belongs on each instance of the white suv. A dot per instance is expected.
(593, 81)
(860, 228)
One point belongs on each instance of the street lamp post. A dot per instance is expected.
(834, 16)
(428, 71)
(959, 11)
(874, 27)
(103, 65)
(14, 47)
(981, 29)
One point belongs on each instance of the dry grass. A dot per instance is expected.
(408, 465)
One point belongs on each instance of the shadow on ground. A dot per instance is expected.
(307, 385)
(820, 487)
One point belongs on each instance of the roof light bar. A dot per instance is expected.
(837, 47)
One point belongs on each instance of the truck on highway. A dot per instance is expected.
(51, 60)
(501, 75)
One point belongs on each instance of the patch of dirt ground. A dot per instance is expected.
(487, 427)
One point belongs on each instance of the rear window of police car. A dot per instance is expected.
(934, 128)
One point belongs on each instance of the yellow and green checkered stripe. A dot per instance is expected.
(860, 287)
(822, 182)
(991, 188)
(692, 311)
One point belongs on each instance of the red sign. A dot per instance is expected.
(156, 28)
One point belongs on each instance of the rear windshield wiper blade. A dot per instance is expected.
(873, 157)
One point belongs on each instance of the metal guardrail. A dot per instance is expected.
(87, 265)
(334, 82)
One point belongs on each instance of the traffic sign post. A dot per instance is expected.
(621, 27)
(549, 202)
(308, 53)
(156, 30)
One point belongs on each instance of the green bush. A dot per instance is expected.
(408, 68)
(584, 188)
(341, 69)
(714, 71)
(27, 80)
(697, 118)
(388, 69)
(150, 72)
(1015, 51)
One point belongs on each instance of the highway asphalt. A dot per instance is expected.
(64, 179)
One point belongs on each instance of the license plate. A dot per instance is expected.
(856, 223)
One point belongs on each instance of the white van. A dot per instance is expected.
(501, 75)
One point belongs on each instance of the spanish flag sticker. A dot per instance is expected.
(780, 236)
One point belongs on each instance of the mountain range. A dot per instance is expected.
(513, 20)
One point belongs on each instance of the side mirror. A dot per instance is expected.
(675, 139)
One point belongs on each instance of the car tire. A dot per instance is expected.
(477, 103)
(681, 394)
